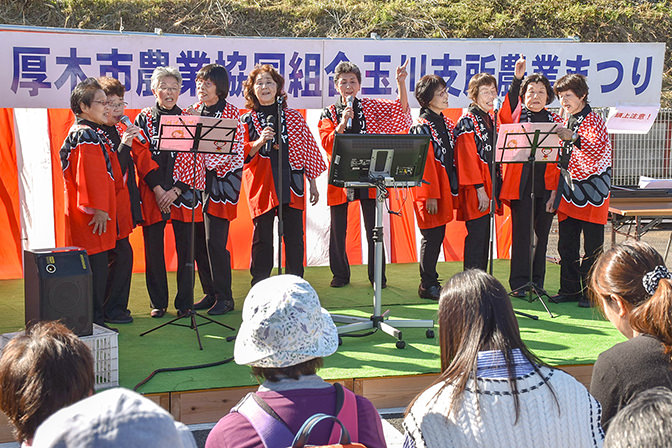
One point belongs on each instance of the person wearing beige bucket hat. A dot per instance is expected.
(284, 335)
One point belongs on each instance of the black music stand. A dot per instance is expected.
(197, 135)
(530, 143)
(381, 161)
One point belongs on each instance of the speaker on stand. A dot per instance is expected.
(58, 286)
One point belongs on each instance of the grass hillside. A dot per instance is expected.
(590, 20)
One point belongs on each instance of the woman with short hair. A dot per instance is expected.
(435, 199)
(493, 392)
(352, 115)
(301, 159)
(130, 153)
(474, 151)
(223, 175)
(584, 204)
(171, 199)
(526, 102)
(633, 288)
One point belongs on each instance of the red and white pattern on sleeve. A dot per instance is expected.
(303, 151)
(224, 164)
(184, 168)
(594, 155)
(385, 116)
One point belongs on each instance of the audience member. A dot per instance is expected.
(112, 419)
(644, 423)
(493, 391)
(42, 371)
(284, 335)
(632, 286)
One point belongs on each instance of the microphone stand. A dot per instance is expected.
(492, 167)
(281, 229)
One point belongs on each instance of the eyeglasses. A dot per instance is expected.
(168, 89)
(118, 105)
(103, 103)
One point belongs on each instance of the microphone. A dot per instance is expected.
(127, 122)
(349, 124)
(269, 143)
(497, 104)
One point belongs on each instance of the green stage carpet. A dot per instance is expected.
(575, 336)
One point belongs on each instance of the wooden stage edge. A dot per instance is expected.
(208, 406)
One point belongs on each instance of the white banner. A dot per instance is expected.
(43, 65)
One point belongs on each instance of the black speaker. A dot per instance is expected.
(58, 286)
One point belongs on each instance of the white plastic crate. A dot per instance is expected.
(104, 347)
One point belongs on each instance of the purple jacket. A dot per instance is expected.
(295, 407)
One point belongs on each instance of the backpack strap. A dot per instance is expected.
(302, 436)
(346, 411)
(272, 430)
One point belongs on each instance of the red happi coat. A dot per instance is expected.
(513, 172)
(304, 158)
(224, 186)
(142, 156)
(90, 185)
(438, 184)
(472, 144)
(590, 168)
(148, 121)
(380, 117)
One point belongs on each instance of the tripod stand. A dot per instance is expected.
(357, 162)
(214, 133)
(533, 139)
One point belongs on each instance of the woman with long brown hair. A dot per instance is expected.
(493, 391)
(632, 286)
(301, 159)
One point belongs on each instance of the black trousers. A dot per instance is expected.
(521, 211)
(155, 264)
(338, 257)
(574, 269)
(216, 236)
(476, 243)
(99, 263)
(430, 248)
(120, 270)
(155, 270)
(262, 243)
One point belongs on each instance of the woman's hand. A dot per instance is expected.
(99, 222)
(432, 206)
(550, 204)
(483, 199)
(168, 198)
(519, 71)
(314, 194)
(565, 134)
(130, 133)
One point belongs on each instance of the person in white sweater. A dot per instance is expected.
(493, 392)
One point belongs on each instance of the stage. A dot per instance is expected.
(371, 365)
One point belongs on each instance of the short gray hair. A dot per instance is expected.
(646, 422)
(163, 72)
(344, 67)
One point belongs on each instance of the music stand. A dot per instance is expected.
(381, 161)
(198, 135)
(530, 143)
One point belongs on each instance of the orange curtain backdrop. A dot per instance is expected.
(60, 121)
(402, 227)
(10, 221)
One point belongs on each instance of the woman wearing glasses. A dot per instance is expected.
(92, 178)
